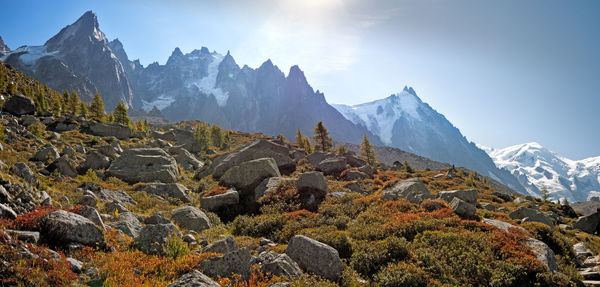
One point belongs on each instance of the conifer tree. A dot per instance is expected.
(40, 102)
(321, 137)
(74, 103)
(307, 146)
(57, 108)
(66, 102)
(216, 135)
(120, 114)
(281, 137)
(110, 118)
(226, 140)
(341, 149)
(97, 109)
(202, 136)
(367, 152)
(299, 137)
(83, 109)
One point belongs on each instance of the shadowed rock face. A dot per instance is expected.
(145, 165)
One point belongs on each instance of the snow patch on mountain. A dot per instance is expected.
(208, 84)
(538, 167)
(379, 116)
(160, 103)
(30, 54)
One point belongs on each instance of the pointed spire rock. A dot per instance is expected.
(85, 28)
(3, 48)
(297, 74)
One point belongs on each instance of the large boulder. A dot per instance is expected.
(315, 257)
(185, 159)
(95, 161)
(93, 215)
(128, 223)
(62, 227)
(63, 165)
(413, 190)
(165, 190)
(581, 252)
(191, 218)
(261, 148)
(278, 264)
(531, 215)
(248, 175)
(19, 105)
(543, 253)
(588, 223)
(463, 208)
(184, 138)
(235, 262)
(212, 203)
(332, 165)
(316, 157)
(312, 188)
(194, 279)
(502, 225)
(23, 171)
(6, 212)
(468, 195)
(144, 165)
(47, 153)
(153, 237)
(223, 246)
(119, 131)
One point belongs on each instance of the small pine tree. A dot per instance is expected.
(66, 102)
(110, 118)
(341, 149)
(281, 137)
(565, 202)
(202, 136)
(216, 135)
(83, 109)
(97, 109)
(407, 167)
(226, 140)
(57, 108)
(40, 103)
(299, 137)
(321, 137)
(307, 146)
(74, 103)
(367, 152)
(545, 193)
(120, 114)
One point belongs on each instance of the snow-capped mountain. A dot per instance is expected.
(3, 48)
(537, 167)
(78, 58)
(404, 121)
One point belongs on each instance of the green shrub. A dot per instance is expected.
(401, 274)
(175, 247)
(558, 242)
(332, 237)
(369, 257)
(265, 225)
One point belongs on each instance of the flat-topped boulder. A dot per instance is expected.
(246, 176)
(191, 218)
(315, 257)
(413, 190)
(144, 165)
(19, 105)
(468, 195)
(61, 227)
(119, 131)
(212, 203)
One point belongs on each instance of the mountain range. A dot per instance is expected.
(212, 87)
(536, 168)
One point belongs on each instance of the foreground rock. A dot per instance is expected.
(129, 224)
(588, 223)
(119, 131)
(468, 195)
(315, 257)
(531, 215)
(312, 188)
(153, 237)
(23, 171)
(223, 246)
(463, 208)
(332, 166)
(543, 253)
(144, 165)
(19, 105)
(185, 158)
(212, 203)
(237, 262)
(62, 227)
(191, 218)
(248, 175)
(166, 190)
(413, 190)
(278, 264)
(271, 184)
(194, 279)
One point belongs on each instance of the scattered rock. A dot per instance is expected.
(47, 153)
(144, 165)
(463, 208)
(95, 161)
(26, 236)
(153, 237)
(224, 246)
(19, 105)
(194, 279)
(6, 212)
(312, 188)
(23, 171)
(185, 158)
(413, 190)
(468, 195)
(315, 257)
(191, 218)
(119, 131)
(93, 215)
(529, 214)
(588, 223)
(76, 265)
(63, 166)
(62, 227)
(212, 203)
(270, 185)
(174, 190)
(543, 253)
(581, 252)
(248, 175)
(157, 218)
(237, 262)
(355, 175)
(332, 166)
(278, 264)
(128, 223)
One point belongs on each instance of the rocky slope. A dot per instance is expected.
(404, 121)
(3, 48)
(537, 167)
(89, 203)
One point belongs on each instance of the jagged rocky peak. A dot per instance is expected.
(297, 75)
(85, 28)
(3, 48)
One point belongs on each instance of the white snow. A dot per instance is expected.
(31, 54)
(535, 165)
(160, 103)
(379, 116)
(208, 84)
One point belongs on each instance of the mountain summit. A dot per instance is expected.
(537, 167)
(403, 121)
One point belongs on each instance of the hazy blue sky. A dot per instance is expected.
(503, 72)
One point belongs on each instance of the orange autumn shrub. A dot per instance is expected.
(215, 190)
